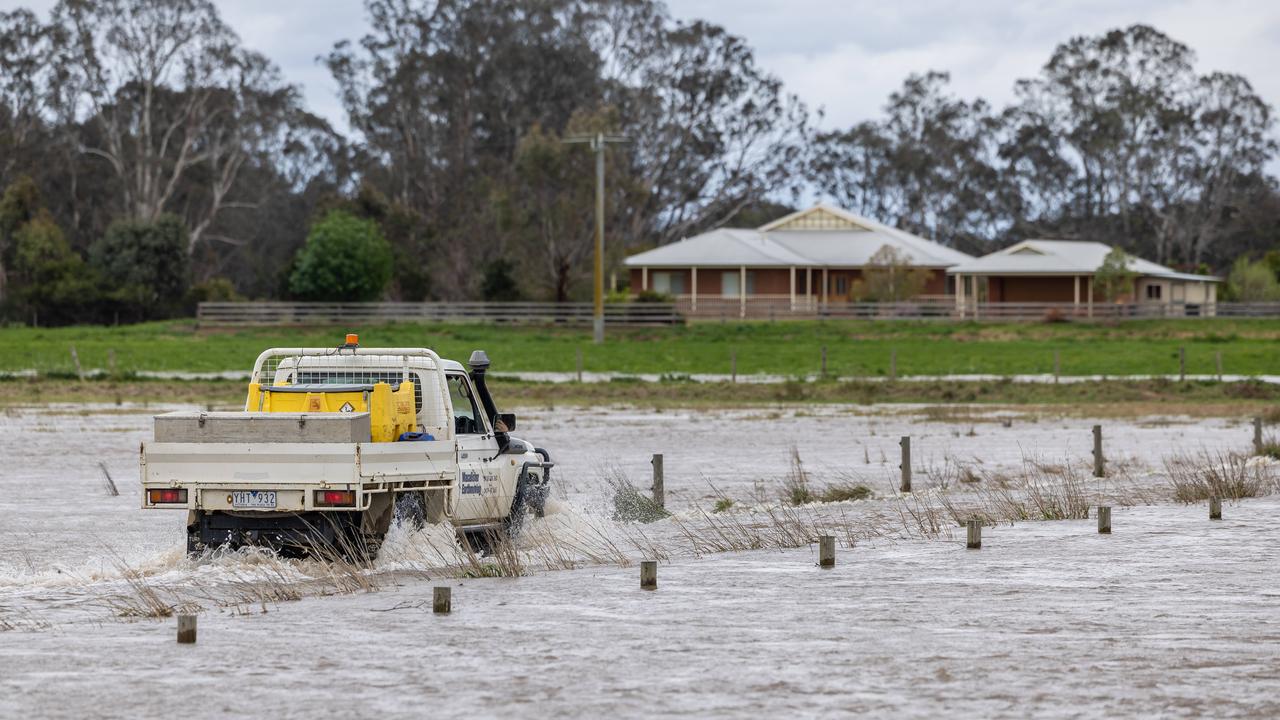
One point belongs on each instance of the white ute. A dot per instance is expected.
(335, 443)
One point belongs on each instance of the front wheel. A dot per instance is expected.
(530, 498)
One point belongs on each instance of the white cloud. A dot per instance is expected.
(845, 55)
(848, 56)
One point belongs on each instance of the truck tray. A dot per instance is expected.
(261, 427)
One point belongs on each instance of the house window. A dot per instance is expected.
(842, 285)
(1153, 292)
(667, 282)
(731, 281)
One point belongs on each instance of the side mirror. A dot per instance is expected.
(504, 422)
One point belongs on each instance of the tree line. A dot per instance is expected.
(149, 160)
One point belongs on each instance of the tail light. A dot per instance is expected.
(335, 498)
(167, 496)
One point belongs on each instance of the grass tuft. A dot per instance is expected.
(629, 504)
(843, 492)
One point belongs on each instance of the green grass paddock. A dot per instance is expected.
(854, 348)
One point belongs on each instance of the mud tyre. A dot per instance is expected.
(194, 546)
(411, 510)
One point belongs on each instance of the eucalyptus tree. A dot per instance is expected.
(1127, 143)
(162, 92)
(930, 166)
(442, 94)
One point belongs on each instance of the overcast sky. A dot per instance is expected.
(846, 56)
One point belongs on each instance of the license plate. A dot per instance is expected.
(254, 499)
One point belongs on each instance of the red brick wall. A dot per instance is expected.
(1035, 289)
(772, 281)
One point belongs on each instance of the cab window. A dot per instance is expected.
(467, 419)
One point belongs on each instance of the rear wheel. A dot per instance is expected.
(194, 545)
(411, 510)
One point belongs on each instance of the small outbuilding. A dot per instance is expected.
(1063, 271)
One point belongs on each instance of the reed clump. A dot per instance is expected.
(1223, 474)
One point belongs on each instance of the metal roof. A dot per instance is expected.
(782, 244)
(1062, 257)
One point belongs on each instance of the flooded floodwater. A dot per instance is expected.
(1171, 615)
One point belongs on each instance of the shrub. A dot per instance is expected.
(499, 282)
(345, 259)
(214, 290)
(1252, 282)
(144, 264)
(52, 283)
(652, 296)
(1054, 316)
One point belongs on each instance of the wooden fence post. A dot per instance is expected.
(441, 602)
(1057, 366)
(1257, 436)
(733, 366)
(1099, 469)
(648, 574)
(905, 442)
(186, 629)
(659, 494)
(75, 360)
(824, 361)
(975, 534)
(1104, 519)
(579, 365)
(893, 364)
(1182, 364)
(1215, 508)
(826, 551)
(1217, 359)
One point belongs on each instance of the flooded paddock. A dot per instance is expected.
(1172, 614)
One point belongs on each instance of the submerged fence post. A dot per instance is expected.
(579, 365)
(1057, 366)
(1215, 508)
(648, 574)
(1257, 436)
(1104, 519)
(975, 534)
(1217, 359)
(1099, 469)
(1182, 364)
(905, 442)
(441, 602)
(659, 494)
(893, 364)
(186, 629)
(826, 551)
(733, 366)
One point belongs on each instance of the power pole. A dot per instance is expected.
(597, 143)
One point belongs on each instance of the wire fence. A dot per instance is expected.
(685, 309)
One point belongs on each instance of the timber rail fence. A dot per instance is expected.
(706, 309)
